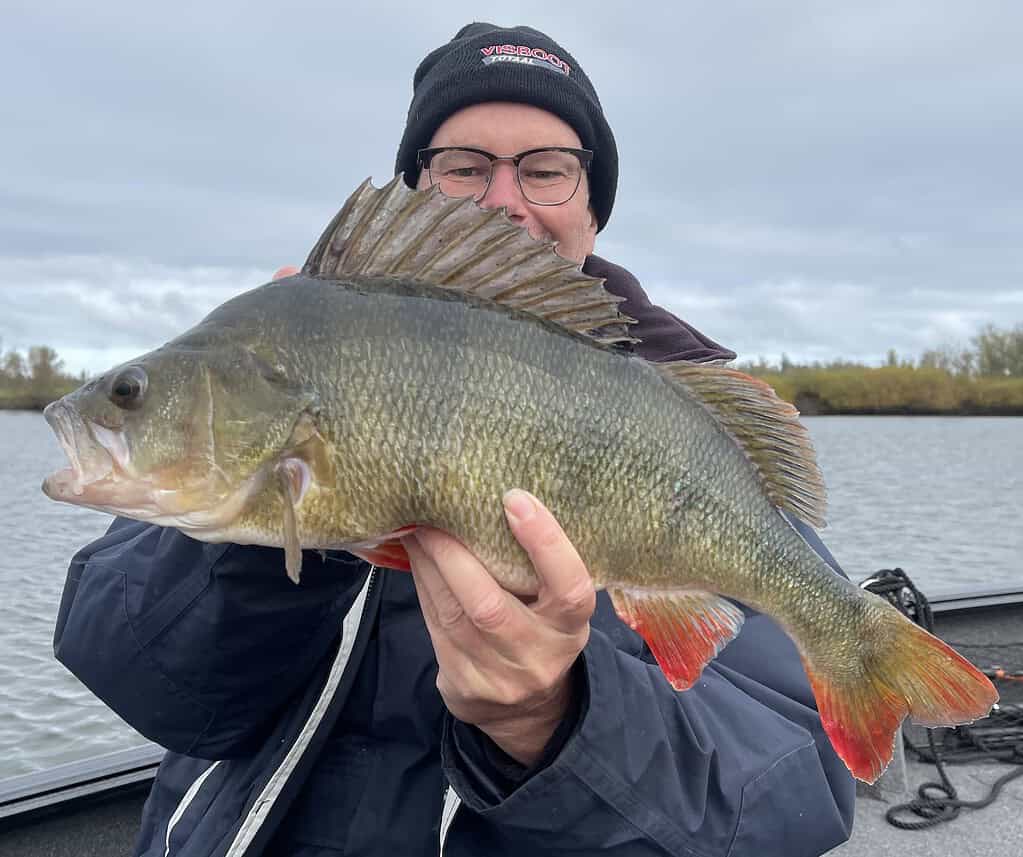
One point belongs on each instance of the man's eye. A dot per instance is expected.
(463, 172)
(546, 175)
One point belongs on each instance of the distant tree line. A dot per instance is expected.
(994, 353)
(34, 379)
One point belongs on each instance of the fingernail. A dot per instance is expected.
(518, 505)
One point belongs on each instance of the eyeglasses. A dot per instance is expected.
(548, 176)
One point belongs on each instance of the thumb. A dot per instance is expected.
(286, 271)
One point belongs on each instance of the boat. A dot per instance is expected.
(91, 808)
(987, 627)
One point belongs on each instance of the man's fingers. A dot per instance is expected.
(286, 271)
(486, 605)
(441, 607)
(567, 596)
(420, 562)
(430, 588)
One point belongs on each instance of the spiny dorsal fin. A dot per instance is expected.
(768, 430)
(424, 236)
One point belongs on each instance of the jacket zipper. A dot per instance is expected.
(250, 826)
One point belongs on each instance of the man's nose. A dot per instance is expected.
(503, 190)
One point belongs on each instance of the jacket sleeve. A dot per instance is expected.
(738, 764)
(196, 645)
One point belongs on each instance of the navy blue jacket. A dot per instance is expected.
(305, 721)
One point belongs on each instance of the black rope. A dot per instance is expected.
(894, 585)
(937, 802)
(932, 809)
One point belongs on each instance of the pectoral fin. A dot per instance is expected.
(293, 478)
(684, 628)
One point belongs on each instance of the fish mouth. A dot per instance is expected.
(100, 475)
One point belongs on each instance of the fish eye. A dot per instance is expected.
(129, 388)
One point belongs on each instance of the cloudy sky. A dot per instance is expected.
(823, 179)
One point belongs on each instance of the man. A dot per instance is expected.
(374, 712)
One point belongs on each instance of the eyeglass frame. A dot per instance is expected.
(584, 156)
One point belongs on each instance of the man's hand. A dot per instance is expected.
(504, 665)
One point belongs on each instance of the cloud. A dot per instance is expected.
(96, 311)
(822, 321)
(822, 181)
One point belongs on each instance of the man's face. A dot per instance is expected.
(504, 128)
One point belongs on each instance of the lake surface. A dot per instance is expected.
(942, 497)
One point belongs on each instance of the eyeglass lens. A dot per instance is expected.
(546, 177)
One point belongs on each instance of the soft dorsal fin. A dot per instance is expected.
(424, 236)
(768, 430)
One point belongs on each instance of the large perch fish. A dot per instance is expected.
(431, 356)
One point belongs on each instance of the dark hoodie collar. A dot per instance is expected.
(663, 336)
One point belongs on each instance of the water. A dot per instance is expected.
(47, 717)
(941, 497)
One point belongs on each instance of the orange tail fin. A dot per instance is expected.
(912, 673)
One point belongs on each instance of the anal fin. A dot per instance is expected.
(684, 628)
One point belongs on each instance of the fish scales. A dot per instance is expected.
(434, 429)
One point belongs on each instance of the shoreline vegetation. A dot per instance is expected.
(29, 382)
(985, 379)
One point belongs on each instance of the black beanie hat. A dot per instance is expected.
(487, 63)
